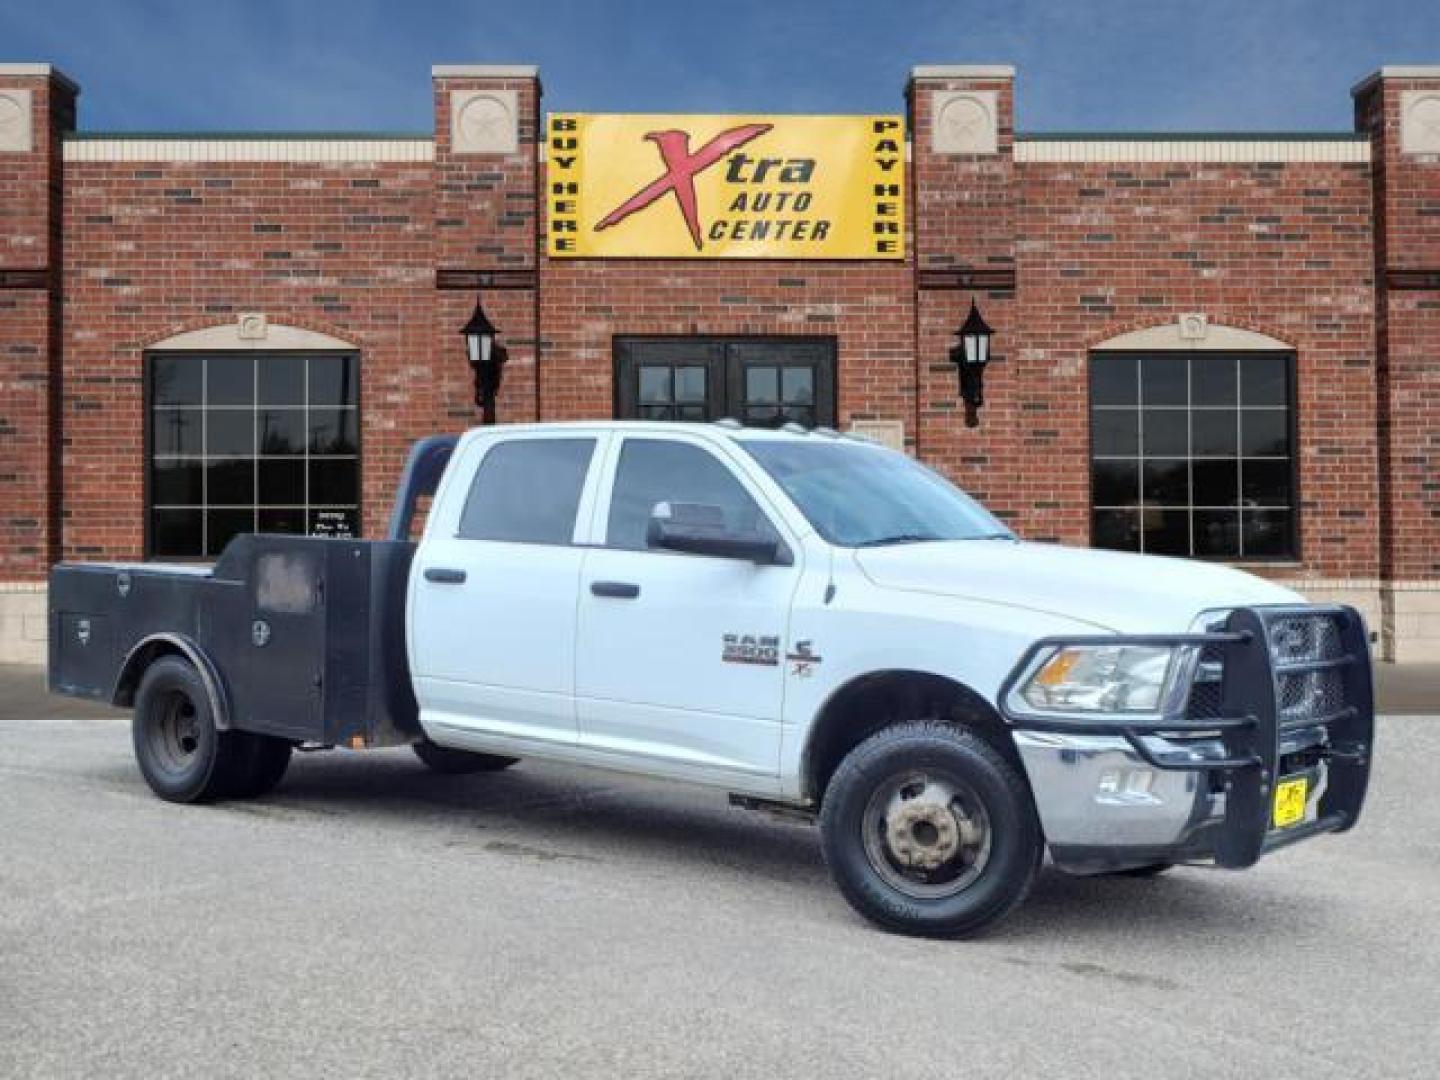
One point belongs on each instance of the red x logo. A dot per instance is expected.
(681, 168)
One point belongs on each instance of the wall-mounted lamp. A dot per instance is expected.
(970, 355)
(487, 360)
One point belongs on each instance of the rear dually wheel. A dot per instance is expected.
(181, 754)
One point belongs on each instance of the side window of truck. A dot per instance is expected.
(658, 470)
(528, 491)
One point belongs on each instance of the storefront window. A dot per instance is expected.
(1191, 454)
(250, 443)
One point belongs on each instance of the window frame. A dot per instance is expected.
(1295, 553)
(598, 531)
(147, 432)
(582, 505)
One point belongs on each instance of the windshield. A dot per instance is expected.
(859, 496)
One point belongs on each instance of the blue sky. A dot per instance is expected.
(364, 64)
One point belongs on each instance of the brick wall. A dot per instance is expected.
(30, 258)
(1282, 249)
(1062, 255)
(486, 226)
(866, 307)
(1101, 248)
(965, 247)
(1407, 257)
(157, 248)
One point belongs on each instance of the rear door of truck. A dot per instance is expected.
(494, 585)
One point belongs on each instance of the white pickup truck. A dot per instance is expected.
(810, 622)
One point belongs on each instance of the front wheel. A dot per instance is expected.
(928, 830)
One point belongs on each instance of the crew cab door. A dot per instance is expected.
(680, 657)
(493, 587)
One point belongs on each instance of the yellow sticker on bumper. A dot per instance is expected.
(1290, 798)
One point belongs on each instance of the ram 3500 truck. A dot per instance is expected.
(807, 621)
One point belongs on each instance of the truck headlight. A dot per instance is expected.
(1101, 679)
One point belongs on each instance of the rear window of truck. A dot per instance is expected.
(528, 491)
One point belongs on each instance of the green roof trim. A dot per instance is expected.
(251, 136)
(1191, 136)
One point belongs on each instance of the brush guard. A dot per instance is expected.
(1271, 692)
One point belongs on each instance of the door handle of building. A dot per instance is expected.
(619, 590)
(444, 575)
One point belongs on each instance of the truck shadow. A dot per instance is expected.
(548, 813)
(554, 815)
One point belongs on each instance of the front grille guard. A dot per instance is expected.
(1249, 726)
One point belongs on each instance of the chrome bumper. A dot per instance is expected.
(1102, 807)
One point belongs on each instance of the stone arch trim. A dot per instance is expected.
(226, 337)
(1219, 337)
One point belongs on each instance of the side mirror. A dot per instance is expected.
(700, 529)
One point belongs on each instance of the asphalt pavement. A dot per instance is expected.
(370, 919)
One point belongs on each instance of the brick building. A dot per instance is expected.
(1217, 346)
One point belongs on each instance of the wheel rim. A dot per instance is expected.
(174, 733)
(927, 834)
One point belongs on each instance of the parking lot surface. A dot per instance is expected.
(372, 919)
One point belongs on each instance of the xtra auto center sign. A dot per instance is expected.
(731, 187)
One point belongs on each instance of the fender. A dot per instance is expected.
(828, 735)
(164, 644)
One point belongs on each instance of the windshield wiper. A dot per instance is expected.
(899, 538)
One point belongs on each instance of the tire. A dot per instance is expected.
(181, 754)
(451, 762)
(263, 760)
(928, 830)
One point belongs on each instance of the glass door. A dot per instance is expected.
(780, 382)
(670, 379)
(762, 382)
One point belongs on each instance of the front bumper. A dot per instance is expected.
(1196, 783)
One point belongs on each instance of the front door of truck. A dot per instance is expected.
(680, 657)
(492, 596)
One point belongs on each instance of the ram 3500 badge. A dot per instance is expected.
(807, 621)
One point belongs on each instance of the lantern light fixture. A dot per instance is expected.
(486, 357)
(970, 355)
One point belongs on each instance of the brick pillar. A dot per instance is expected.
(486, 235)
(37, 105)
(963, 207)
(1400, 108)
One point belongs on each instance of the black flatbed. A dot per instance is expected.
(299, 637)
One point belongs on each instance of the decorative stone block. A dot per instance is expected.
(1194, 326)
(252, 326)
(24, 624)
(484, 122)
(889, 433)
(965, 122)
(16, 128)
(1420, 122)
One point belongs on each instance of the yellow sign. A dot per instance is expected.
(727, 187)
(1290, 798)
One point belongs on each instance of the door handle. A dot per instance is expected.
(619, 590)
(444, 575)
